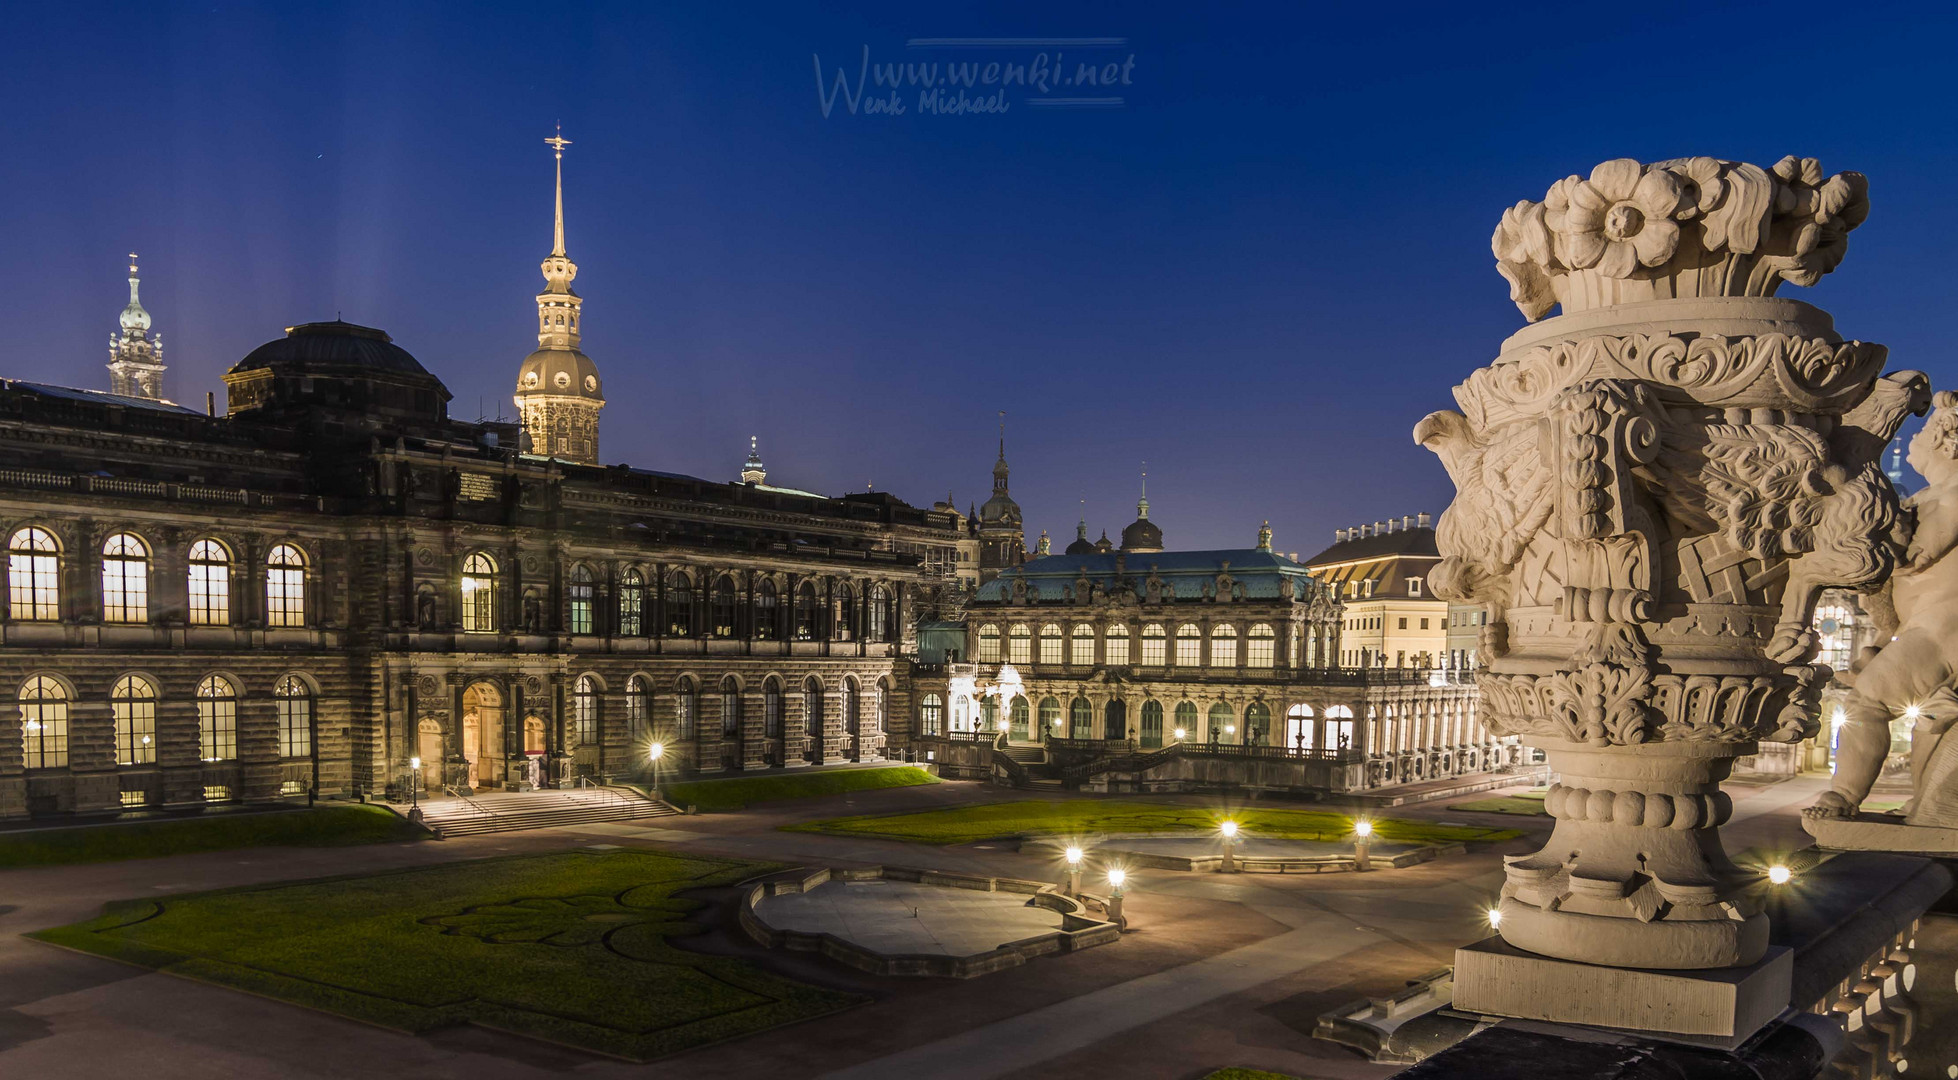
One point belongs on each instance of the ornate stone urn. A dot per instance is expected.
(1652, 489)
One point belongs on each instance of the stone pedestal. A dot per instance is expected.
(1726, 1005)
(1653, 489)
(1881, 832)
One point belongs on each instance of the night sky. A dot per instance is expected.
(1257, 273)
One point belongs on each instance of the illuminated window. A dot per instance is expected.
(33, 576)
(217, 719)
(1257, 723)
(1082, 646)
(133, 703)
(584, 711)
(293, 701)
(768, 608)
(1020, 717)
(638, 709)
(1223, 722)
(989, 644)
(1050, 717)
(285, 587)
(679, 606)
(1154, 646)
(805, 612)
(1186, 719)
(1223, 646)
(1261, 646)
(1115, 646)
(1050, 643)
(125, 579)
(479, 594)
(1189, 645)
(210, 584)
(584, 597)
(44, 723)
(632, 604)
(1019, 644)
(1835, 633)
(931, 714)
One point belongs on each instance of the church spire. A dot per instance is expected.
(135, 354)
(558, 390)
(752, 470)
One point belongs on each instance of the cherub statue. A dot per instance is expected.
(1914, 675)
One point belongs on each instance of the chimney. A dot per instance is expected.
(1427, 520)
(1407, 522)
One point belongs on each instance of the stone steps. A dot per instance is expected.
(515, 811)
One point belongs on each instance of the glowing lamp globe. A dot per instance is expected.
(1363, 829)
(1229, 828)
(1074, 856)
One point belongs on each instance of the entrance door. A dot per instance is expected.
(482, 734)
(428, 744)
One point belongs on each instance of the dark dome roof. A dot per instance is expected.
(1142, 535)
(1081, 546)
(332, 344)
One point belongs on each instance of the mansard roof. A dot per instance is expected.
(1183, 574)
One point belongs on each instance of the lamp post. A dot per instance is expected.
(1117, 877)
(1181, 734)
(1229, 829)
(414, 774)
(1073, 870)
(1362, 832)
(654, 753)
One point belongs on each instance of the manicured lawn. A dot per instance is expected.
(1529, 802)
(735, 793)
(1073, 817)
(571, 947)
(1235, 1073)
(326, 826)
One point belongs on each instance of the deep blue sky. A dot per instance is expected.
(1257, 275)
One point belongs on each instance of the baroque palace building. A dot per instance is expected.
(333, 580)
(1154, 669)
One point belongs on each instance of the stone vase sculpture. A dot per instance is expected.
(1652, 490)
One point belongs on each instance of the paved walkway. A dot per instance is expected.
(902, 918)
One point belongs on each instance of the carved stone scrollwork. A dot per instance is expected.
(1652, 491)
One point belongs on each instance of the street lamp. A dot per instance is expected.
(1181, 734)
(414, 774)
(1495, 919)
(1362, 832)
(1073, 870)
(1779, 874)
(1117, 877)
(1229, 829)
(654, 753)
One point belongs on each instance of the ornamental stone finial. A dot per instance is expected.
(1652, 490)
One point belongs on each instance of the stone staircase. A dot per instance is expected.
(1024, 767)
(512, 811)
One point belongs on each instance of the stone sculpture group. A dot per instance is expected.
(1653, 489)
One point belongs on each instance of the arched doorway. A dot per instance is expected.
(428, 746)
(1115, 719)
(1301, 728)
(482, 734)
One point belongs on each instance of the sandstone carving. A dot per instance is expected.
(1915, 675)
(1653, 488)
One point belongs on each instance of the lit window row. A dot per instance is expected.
(34, 580)
(45, 702)
(1260, 645)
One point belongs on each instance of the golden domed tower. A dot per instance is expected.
(136, 354)
(558, 390)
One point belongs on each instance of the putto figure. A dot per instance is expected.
(1913, 677)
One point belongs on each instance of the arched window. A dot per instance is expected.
(294, 700)
(880, 696)
(125, 579)
(771, 708)
(1301, 730)
(479, 594)
(730, 708)
(210, 584)
(1019, 718)
(133, 701)
(1080, 719)
(1189, 645)
(768, 609)
(33, 576)
(1050, 717)
(632, 603)
(638, 710)
(1115, 647)
(1186, 721)
(584, 711)
(1019, 644)
(962, 714)
(217, 719)
(989, 714)
(726, 605)
(679, 606)
(1081, 648)
(805, 612)
(44, 723)
(845, 626)
(852, 707)
(812, 708)
(1223, 723)
(989, 644)
(1260, 646)
(1223, 645)
(1152, 724)
(1154, 646)
(1050, 643)
(584, 599)
(1257, 723)
(879, 624)
(685, 703)
(285, 588)
(931, 714)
